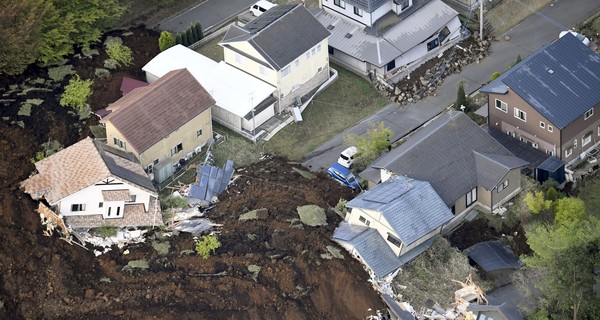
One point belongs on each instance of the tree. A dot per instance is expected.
(370, 147)
(120, 53)
(76, 93)
(207, 246)
(178, 39)
(194, 34)
(569, 211)
(495, 75)
(21, 33)
(165, 41)
(536, 202)
(189, 37)
(198, 28)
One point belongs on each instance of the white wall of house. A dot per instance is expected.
(375, 220)
(259, 118)
(350, 62)
(151, 77)
(91, 197)
(347, 10)
(304, 68)
(250, 66)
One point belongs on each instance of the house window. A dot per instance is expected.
(263, 70)
(520, 114)
(198, 132)
(568, 152)
(575, 143)
(403, 4)
(503, 185)
(119, 143)
(176, 149)
(444, 33)
(542, 124)
(133, 198)
(339, 3)
(472, 196)
(239, 59)
(118, 211)
(433, 44)
(586, 139)
(285, 71)
(150, 168)
(313, 51)
(321, 69)
(393, 240)
(357, 11)
(599, 131)
(391, 65)
(78, 207)
(550, 128)
(109, 211)
(319, 47)
(307, 55)
(364, 220)
(588, 114)
(501, 105)
(100, 204)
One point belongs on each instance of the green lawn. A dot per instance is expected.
(590, 194)
(347, 101)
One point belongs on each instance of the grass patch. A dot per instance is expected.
(347, 101)
(106, 231)
(212, 49)
(589, 192)
(242, 151)
(509, 13)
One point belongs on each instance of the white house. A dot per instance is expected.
(242, 102)
(392, 223)
(377, 37)
(91, 185)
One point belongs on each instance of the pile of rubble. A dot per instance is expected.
(423, 81)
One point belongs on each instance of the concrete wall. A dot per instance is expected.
(259, 118)
(92, 197)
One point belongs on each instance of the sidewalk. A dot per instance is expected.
(537, 30)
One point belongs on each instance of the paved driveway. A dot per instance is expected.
(535, 31)
(209, 13)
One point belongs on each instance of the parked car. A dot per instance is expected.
(260, 7)
(347, 156)
(343, 175)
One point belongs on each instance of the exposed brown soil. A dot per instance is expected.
(46, 278)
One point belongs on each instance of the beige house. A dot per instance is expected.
(162, 123)
(91, 185)
(464, 164)
(285, 47)
(551, 100)
(392, 223)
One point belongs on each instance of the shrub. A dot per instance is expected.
(76, 93)
(120, 53)
(495, 75)
(198, 28)
(207, 246)
(194, 34)
(173, 202)
(461, 98)
(107, 231)
(190, 37)
(178, 39)
(165, 41)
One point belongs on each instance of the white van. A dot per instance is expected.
(260, 7)
(347, 156)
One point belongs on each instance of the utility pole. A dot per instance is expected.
(253, 120)
(481, 20)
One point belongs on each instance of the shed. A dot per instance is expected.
(493, 256)
(551, 168)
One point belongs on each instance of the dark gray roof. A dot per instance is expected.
(394, 308)
(367, 5)
(493, 255)
(281, 34)
(551, 164)
(371, 247)
(411, 207)
(509, 312)
(561, 80)
(520, 149)
(442, 153)
(492, 167)
(109, 153)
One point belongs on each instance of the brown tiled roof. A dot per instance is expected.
(116, 195)
(147, 115)
(79, 166)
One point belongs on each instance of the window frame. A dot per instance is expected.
(77, 207)
(588, 114)
(550, 128)
(357, 11)
(198, 133)
(502, 104)
(542, 125)
(472, 196)
(364, 220)
(394, 240)
(119, 143)
(177, 149)
(340, 3)
(502, 186)
(286, 71)
(568, 152)
(518, 112)
(587, 137)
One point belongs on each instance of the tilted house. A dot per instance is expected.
(392, 223)
(285, 47)
(91, 185)
(242, 102)
(463, 163)
(549, 99)
(161, 123)
(377, 37)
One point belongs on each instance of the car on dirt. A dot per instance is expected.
(343, 175)
(347, 156)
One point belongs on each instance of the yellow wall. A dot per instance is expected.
(248, 65)
(186, 135)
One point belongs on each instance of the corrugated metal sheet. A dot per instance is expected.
(211, 181)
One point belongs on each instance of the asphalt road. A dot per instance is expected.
(209, 13)
(537, 30)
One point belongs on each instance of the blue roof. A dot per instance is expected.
(211, 181)
(551, 164)
(411, 207)
(561, 80)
